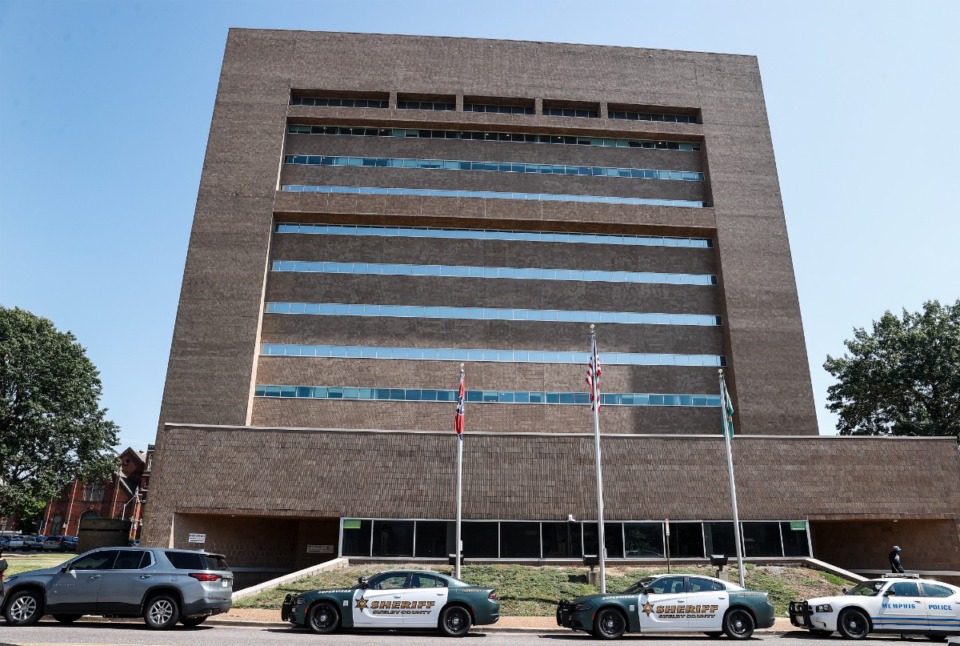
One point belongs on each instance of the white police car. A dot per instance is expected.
(901, 603)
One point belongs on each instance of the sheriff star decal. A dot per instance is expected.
(361, 603)
(648, 608)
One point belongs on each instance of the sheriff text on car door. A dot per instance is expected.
(400, 600)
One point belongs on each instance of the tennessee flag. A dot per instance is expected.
(458, 422)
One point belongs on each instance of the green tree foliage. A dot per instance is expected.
(903, 377)
(52, 429)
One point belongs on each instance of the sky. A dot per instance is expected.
(105, 106)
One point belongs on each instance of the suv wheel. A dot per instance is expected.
(162, 612)
(23, 608)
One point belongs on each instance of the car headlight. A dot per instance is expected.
(824, 607)
(583, 605)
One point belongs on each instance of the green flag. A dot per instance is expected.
(727, 408)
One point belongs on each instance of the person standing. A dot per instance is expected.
(894, 556)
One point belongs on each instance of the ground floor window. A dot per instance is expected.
(531, 540)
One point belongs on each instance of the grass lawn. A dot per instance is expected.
(534, 591)
(33, 561)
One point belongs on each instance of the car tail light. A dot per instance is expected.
(492, 596)
(200, 576)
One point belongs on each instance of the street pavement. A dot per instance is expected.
(103, 633)
(236, 631)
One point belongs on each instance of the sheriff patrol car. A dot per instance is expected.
(903, 604)
(670, 603)
(397, 599)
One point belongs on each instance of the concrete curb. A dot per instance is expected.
(476, 629)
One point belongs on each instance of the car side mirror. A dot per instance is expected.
(843, 590)
(362, 582)
(889, 593)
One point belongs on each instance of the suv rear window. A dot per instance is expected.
(196, 561)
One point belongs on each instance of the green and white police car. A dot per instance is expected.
(670, 603)
(414, 599)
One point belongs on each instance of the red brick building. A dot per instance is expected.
(119, 497)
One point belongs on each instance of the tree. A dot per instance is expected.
(903, 378)
(52, 429)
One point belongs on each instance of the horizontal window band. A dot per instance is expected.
(491, 314)
(354, 102)
(589, 113)
(491, 166)
(470, 271)
(488, 195)
(442, 106)
(629, 115)
(497, 108)
(491, 234)
(483, 396)
(508, 137)
(339, 102)
(487, 355)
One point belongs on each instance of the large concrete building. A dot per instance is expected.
(375, 210)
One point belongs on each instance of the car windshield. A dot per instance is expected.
(638, 587)
(867, 589)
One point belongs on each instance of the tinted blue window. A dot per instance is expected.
(491, 136)
(542, 197)
(519, 273)
(487, 396)
(509, 167)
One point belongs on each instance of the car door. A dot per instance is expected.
(901, 607)
(74, 590)
(379, 604)
(423, 600)
(123, 586)
(707, 601)
(662, 605)
(943, 607)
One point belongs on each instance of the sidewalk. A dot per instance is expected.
(260, 617)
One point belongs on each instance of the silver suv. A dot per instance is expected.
(161, 585)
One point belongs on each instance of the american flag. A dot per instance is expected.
(593, 377)
(458, 422)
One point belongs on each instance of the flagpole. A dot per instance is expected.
(457, 549)
(726, 416)
(595, 389)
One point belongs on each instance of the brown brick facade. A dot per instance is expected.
(301, 462)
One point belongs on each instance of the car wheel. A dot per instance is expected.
(162, 612)
(738, 624)
(190, 622)
(324, 618)
(455, 621)
(66, 619)
(853, 624)
(24, 608)
(609, 624)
